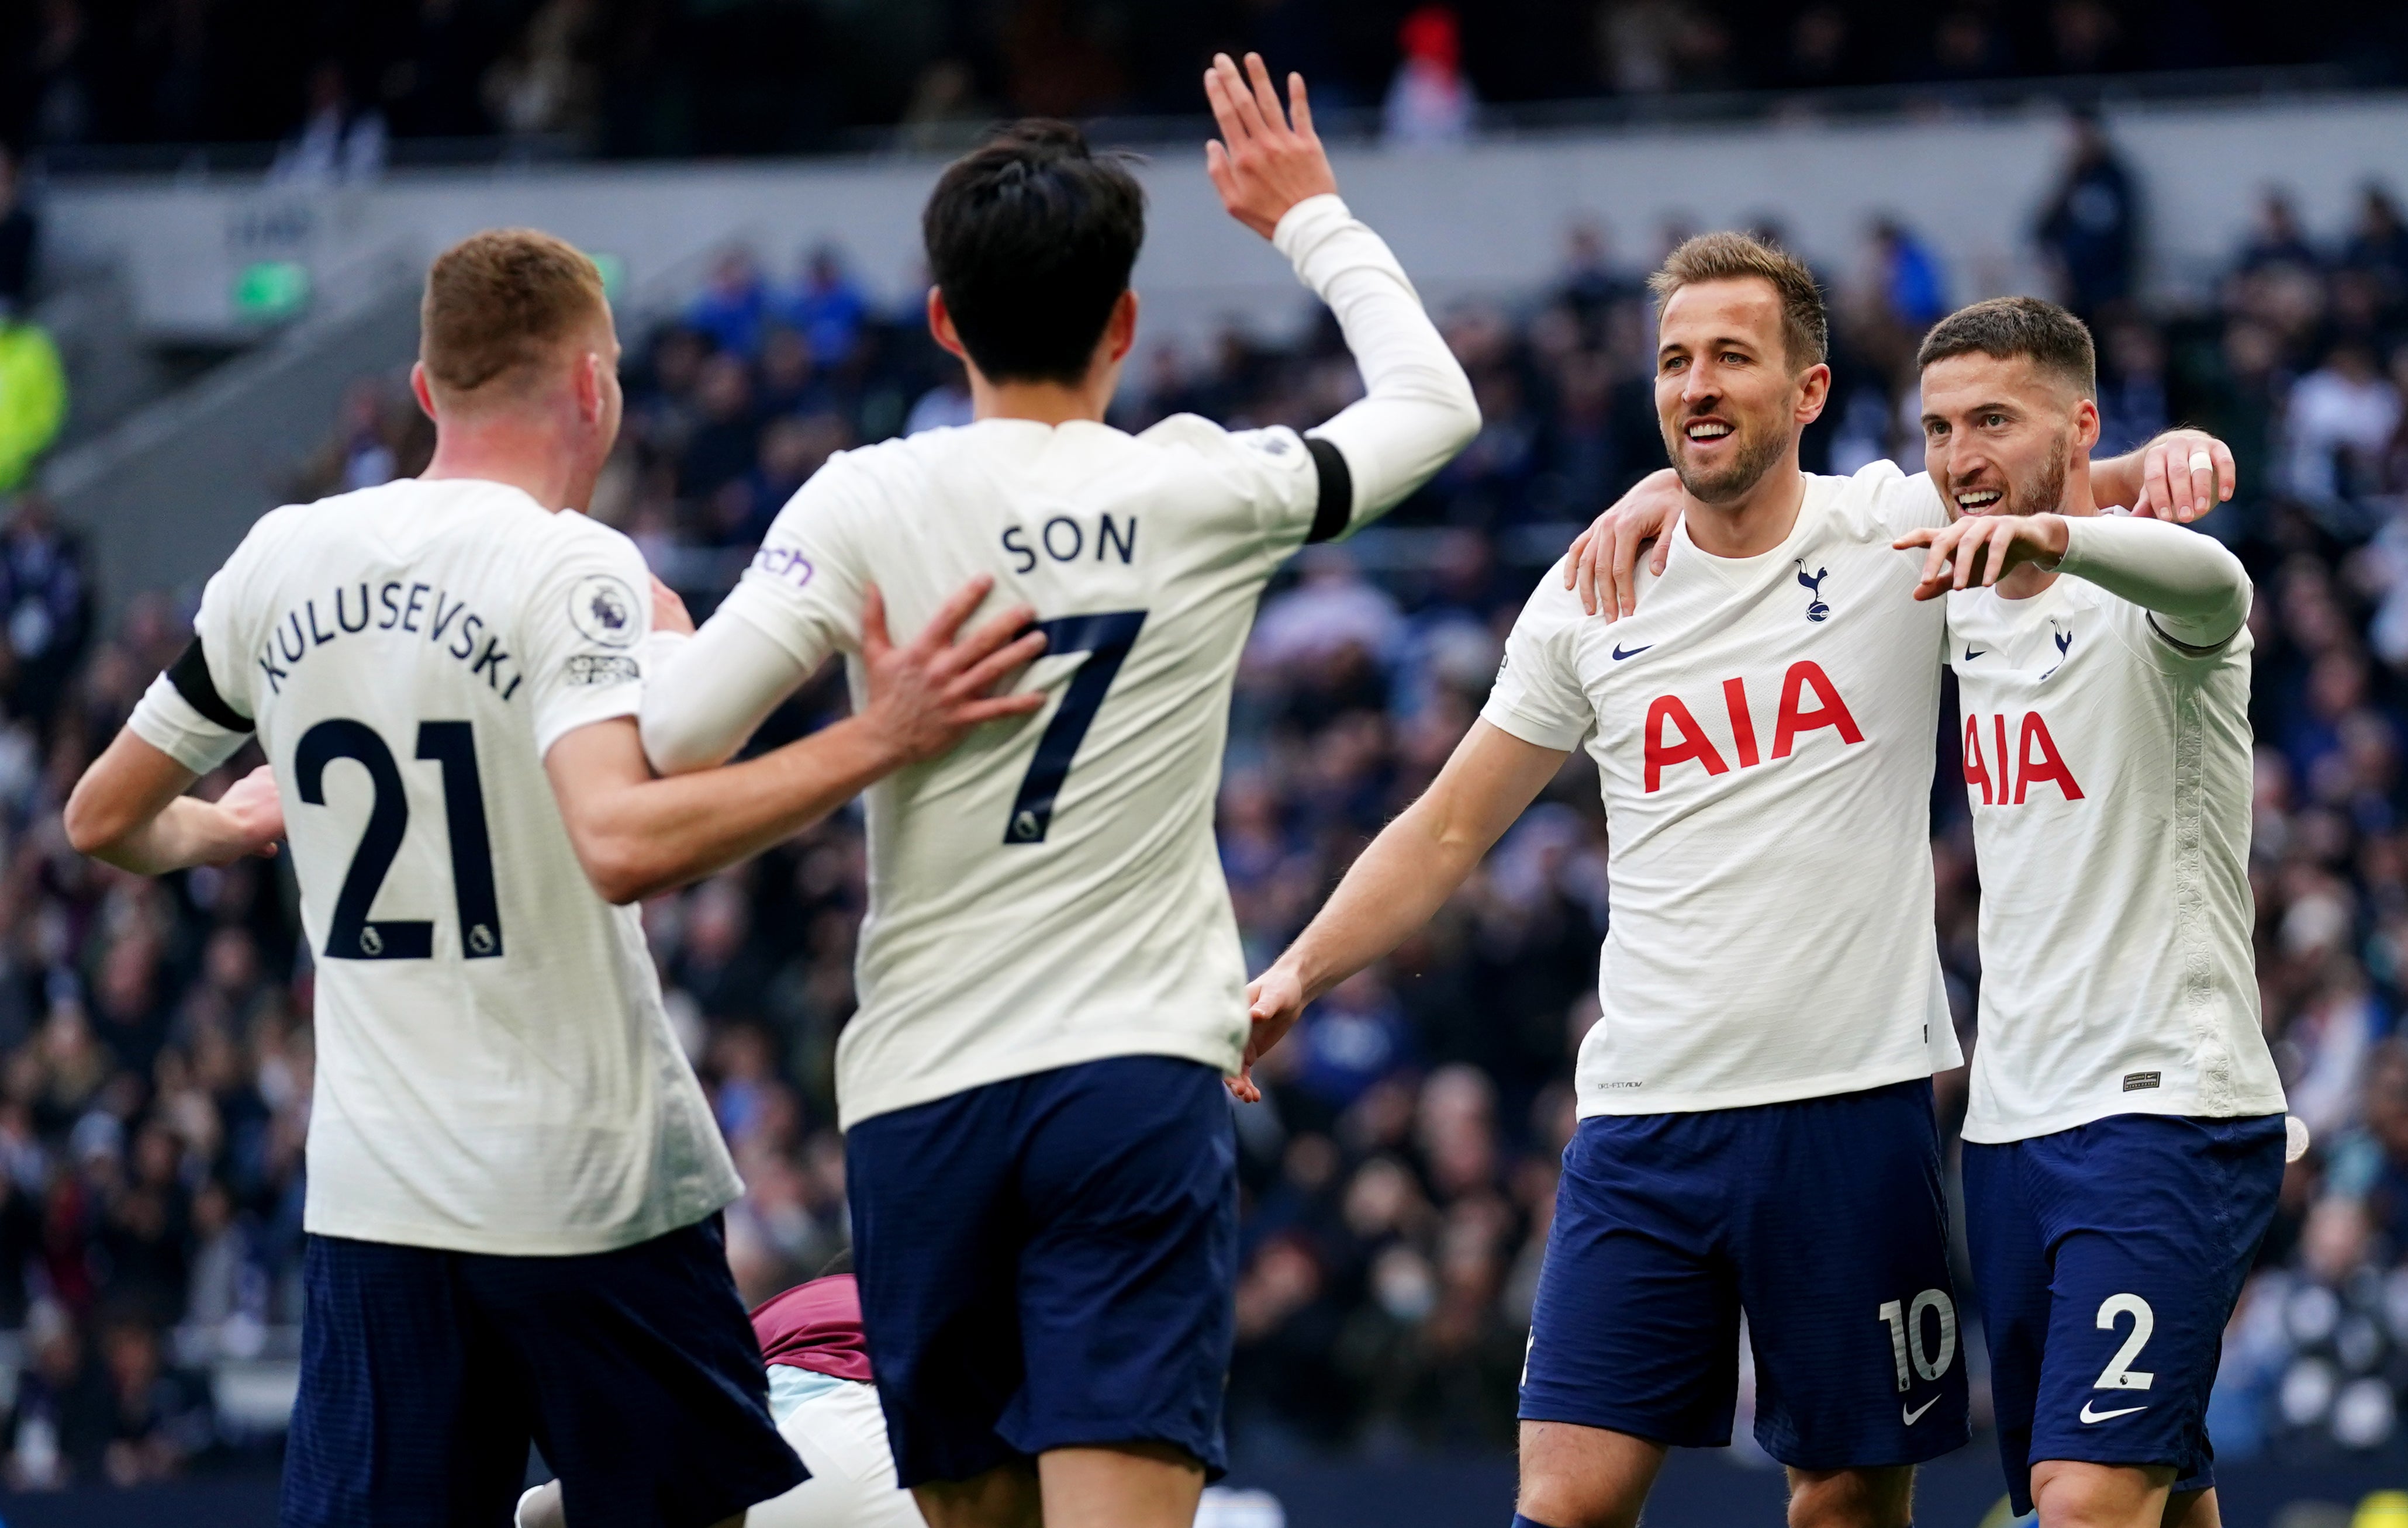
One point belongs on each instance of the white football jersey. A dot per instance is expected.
(1049, 891)
(494, 1070)
(2108, 774)
(1763, 733)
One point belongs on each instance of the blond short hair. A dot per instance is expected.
(1805, 331)
(499, 304)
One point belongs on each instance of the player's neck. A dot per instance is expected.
(1756, 521)
(1046, 403)
(538, 469)
(2022, 583)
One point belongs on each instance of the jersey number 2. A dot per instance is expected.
(352, 936)
(1106, 639)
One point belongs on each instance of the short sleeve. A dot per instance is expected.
(200, 711)
(1538, 695)
(1907, 500)
(1276, 474)
(584, 622)
(804, 589)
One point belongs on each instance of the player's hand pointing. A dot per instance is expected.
(1263, 163)
(1991, 544)
(1274, 1002)
(925, 694)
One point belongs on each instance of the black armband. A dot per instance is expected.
(190, 677)
(1335, 508)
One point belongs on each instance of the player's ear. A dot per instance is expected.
(941, 325)
(2085, 426)
(421, 390)
(1813, 391)
(1120, 330)
(591, 390)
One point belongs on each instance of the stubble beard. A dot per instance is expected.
(2045, 493)
(1757, 454)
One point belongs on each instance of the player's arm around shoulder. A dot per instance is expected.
(799, 600)
(637, 834)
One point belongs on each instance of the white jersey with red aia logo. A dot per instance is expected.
(2109, 774)
(1763, 735)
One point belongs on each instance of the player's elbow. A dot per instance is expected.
(94, 824)
(619, 866)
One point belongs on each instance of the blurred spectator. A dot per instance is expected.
(2277, 239)
(337, 140)
(826, 307)
(1430, 102)
(733, 308)
(163, 1417)
(2342, 417)
(549, 79)
(2088, 231)
(2133, 407)
(18, 231)
(45, 601)
(33, 396)
(1909, 274)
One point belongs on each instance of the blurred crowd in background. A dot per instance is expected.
(337, 82)
(156, 1052)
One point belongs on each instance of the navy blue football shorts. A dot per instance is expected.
(2108, 1258)
(1047, 1262)
(426, 1374)
(1821, 1219)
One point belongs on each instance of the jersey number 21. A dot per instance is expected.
(452, 744)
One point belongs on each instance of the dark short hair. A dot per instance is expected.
(1030, 236)
(2006, 327)
(1805, 332)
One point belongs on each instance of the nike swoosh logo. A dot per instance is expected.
(2087, 1415)
(1619, 654)
(1914, 1416)
(1972, 653)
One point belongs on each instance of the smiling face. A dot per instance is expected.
(2002, 435)
(1728, 403)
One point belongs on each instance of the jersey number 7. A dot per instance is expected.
(351, 936)
(1106, 639)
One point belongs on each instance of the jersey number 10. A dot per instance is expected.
(352, 936)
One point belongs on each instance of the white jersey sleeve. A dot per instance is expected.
(199, 712)
(585, 619)
(1417, 410)
(1538, 695)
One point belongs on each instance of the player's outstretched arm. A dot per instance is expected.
(1404, 877)
(1417, 409)
(2192, 585)
(130, 811)
(637, 835)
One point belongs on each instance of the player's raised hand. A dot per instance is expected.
(927, 693)
(2183, 475)
(1274, 1002)
(1603, 564)
(1267, 159)
(251, 816)
(669, 611)
(1977, 550)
